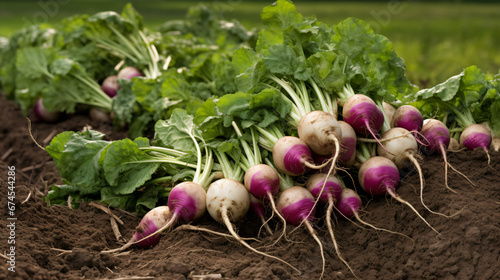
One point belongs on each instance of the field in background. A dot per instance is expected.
(436, 40)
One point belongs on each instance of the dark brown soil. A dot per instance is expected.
(62, 243)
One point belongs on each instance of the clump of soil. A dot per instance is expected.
(63, 243)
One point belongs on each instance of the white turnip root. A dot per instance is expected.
(402, 149)
(321, 132)
(379, 176)
(228, 200)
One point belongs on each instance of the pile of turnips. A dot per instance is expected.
(276, 127)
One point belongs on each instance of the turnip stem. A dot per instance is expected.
(229, 226)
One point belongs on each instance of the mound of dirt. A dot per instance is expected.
(62, 243)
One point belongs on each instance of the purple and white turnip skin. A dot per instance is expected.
(262, 181)
(321, 132)
(110, 86)
(42, 114)
(349, 203)
(292, 156)
(378, 176)
(436, 136)
(147, 233)
(361, 112)
(186, 202)
(297, 206)
(475, 136)
(348, 150)
(129, 72)
(349, 206)
(155, 219)
(408, 117)
(329, 190)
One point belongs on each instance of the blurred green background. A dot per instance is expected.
(437, 39)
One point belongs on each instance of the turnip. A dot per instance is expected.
(110, 86)
(146, 232)
(96, 114)
(327, 189)
(296, 205)
(402, 149)
(43, 114)
(408, 117)
(228, 200)
(475, 136)
(454, 146)
(292, 156)
(348, 150)
(349, 205)
(321, 132)
(361, 112)
(186, 202)
(129, 72)
(378, 176)
(389, 111)
(438, 138)
(263, 182)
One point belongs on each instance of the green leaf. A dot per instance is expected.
(57, 144)
(123, 168)
(111, 199)
(178, 132)
(445, 91)
(79, 161)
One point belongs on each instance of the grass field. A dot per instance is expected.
(436, 40)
